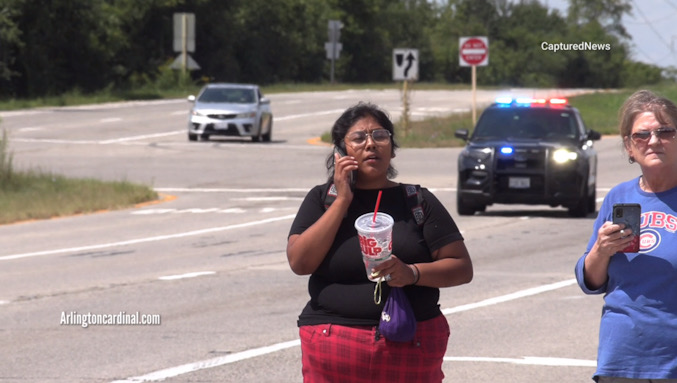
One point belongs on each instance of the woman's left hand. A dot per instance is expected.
(395, 272)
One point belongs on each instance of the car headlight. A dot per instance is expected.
(478, 154)
(251, 114)
(197, 113)
(564, 155)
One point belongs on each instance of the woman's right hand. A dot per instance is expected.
(342, 168)
(612, 238)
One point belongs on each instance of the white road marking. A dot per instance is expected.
(112, 119)
(528, 360)
(104, 142)
(147, 239)
(295, 116)
(142, 137)
(509, 297)
(247, 354)
(51, 141)
(4, 302)
(228, 190)
(187, 275)
(236, 210)
(210, 363)
(255, 199)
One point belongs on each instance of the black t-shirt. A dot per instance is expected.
(340, 292)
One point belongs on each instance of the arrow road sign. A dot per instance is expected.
(405, 64)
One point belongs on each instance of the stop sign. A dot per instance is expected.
(473, 51)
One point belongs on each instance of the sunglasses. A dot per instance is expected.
(380, 136)
(662, 133)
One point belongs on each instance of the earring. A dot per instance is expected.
(631, 160)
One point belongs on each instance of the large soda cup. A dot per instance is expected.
(376, 239)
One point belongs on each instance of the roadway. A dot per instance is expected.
(209, 259)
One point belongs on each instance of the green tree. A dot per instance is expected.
(10, 42)
(607, 13)
(60, 48)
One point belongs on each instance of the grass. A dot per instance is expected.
(34, 195)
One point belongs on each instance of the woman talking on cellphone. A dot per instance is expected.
(638, 328)
(340, 340)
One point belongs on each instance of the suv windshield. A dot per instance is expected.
(526, 123)
(228, 95)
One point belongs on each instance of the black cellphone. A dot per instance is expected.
(630, 214)
(353, 174)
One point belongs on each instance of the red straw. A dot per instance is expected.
(378, 201)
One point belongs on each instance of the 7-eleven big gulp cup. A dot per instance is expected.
(376, 239)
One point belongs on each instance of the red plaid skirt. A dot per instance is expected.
(357, 354)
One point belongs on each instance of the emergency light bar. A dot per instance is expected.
(527, 101)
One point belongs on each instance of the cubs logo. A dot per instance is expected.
(649, 239)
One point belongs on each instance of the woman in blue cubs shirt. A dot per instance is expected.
(638, 329)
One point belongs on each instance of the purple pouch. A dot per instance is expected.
(398, 322)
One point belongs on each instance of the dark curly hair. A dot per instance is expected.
(348, 119)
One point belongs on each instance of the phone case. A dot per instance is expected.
(630, 215)
(353, 174)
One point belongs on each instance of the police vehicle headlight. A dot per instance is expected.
(564, 155)
(478, 154)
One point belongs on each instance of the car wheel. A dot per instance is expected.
(581, 208)
(592, 200)
(204, 137)
(269, 132)
(192, 137)
(462, 207)
(257, 137)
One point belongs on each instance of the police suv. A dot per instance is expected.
(528, 151)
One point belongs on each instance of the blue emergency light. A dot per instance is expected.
(506, 150)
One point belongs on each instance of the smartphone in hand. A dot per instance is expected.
(630, 215)
(353, 174)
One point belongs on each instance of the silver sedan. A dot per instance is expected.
(222, 109)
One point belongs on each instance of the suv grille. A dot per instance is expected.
(522, 159)
(524, 162)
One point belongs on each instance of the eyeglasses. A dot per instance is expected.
(359, 138)
(663, 133)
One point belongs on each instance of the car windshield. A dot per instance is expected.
(526, 123)
(228, 96)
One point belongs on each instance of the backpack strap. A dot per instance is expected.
(415, 202)
(412, 194)
(330, 196)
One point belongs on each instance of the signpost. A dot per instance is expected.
(405, 68)
(333, 47)
(184, 41)
(473, 51)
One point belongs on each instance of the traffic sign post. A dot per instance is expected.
(333, 47)
(184, 41)
(405, 68)
(473, 52)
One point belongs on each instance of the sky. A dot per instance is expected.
(652, 26)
